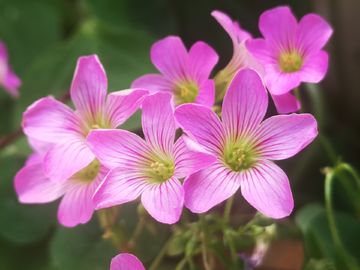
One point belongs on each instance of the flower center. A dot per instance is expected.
(238, 159)
(186, 92)
(162, 171)
(88, 173)
(290, 62)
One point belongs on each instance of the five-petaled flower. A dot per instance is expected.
(51, 121)
(33, 186)
(150, 168)
(8, 79)
(185, 75)
(126, 261)
(243, 146)
(291, 53)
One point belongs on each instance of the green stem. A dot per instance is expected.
(329, 150)
(181, 264)
(298, 97)
(328, 184)
(204, 240)
(161, 254)
(352, 171)
(227, 210)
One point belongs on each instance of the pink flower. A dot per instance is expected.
(185, 75)
(241, 57)
(243, 146)
(33, 186)
(150, 168)
(126, 261)
(291, 53)
(8, 79)
(51, 121)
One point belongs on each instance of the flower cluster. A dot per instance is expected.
(81, 155)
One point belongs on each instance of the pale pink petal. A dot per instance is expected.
(280, 83)
(121, 105)
(266, 187)
(126, 261)
(202, 123)
(154, 83)
(89, 86)
(201, 60)
(116, 148)
(283, 136)
(312, 34)
(241, 34)
(50, 120)
(121, 185)
(76, 206)
(169, 55)
(158, 122)
(33, 186)
(209, 187)
(286, 103)
(245, 104)
(190, 157)
(11, 82)
(278, 26)
(34, 158)
(314, 68)
(38, 146)
(164, 201)
(206, 95)
(3, 52)
(260, 50)
(66, 158)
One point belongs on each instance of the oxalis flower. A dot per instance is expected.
(51, 121)
(185, 75)
(8, 79)
(150, 168)
(33, 186)
(241, 58)
(290, 52)
(243, 146)
(126, 261)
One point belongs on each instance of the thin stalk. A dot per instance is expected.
(328, 148)
(298, 97)
(204, 238)
(181, 264)
(139, 227)
(227, 210)
(352, 171)
(161, 254)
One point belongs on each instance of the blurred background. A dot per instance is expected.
(44, 40)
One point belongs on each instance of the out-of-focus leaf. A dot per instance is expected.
(313, 223)
(81, 248)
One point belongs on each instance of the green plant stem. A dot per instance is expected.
(204, 240)
(328, 148)
(352, 171)
(298, 97)
(161, 254)
(227, 210)
(181, 264)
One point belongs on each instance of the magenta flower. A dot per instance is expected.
(290, 52)
(51, 121)
(185, 75)
(126, 261)
(33, 186)
(243, 146)
(241, 58)
(8, 79)
(150, 168)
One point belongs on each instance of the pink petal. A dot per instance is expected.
(266, 187)
(126, 261)
(121, 185)
(312, 34)
(89, 86)
(206, 95)
(314, 68)
(35, 158)
(169, 55)
(66, 158)
(202, 123)
(158, 122)
(190, 157)
(245, 104)
(280, 83)
(121, 105)
(11, 82)
(286, 103)
(38, 146)
(50, 120)
(201, 60)
(154, 83)
(33, 186)
(260, 49)
(209, 187)
(278, 26)
(116, 148)
(3, 52)
(164, 201)
(283, 136)
(76, 206)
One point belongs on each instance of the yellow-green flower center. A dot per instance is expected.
(185, 92)
(290, 62)
(88, 173)
(238, 159)
(161, 171)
